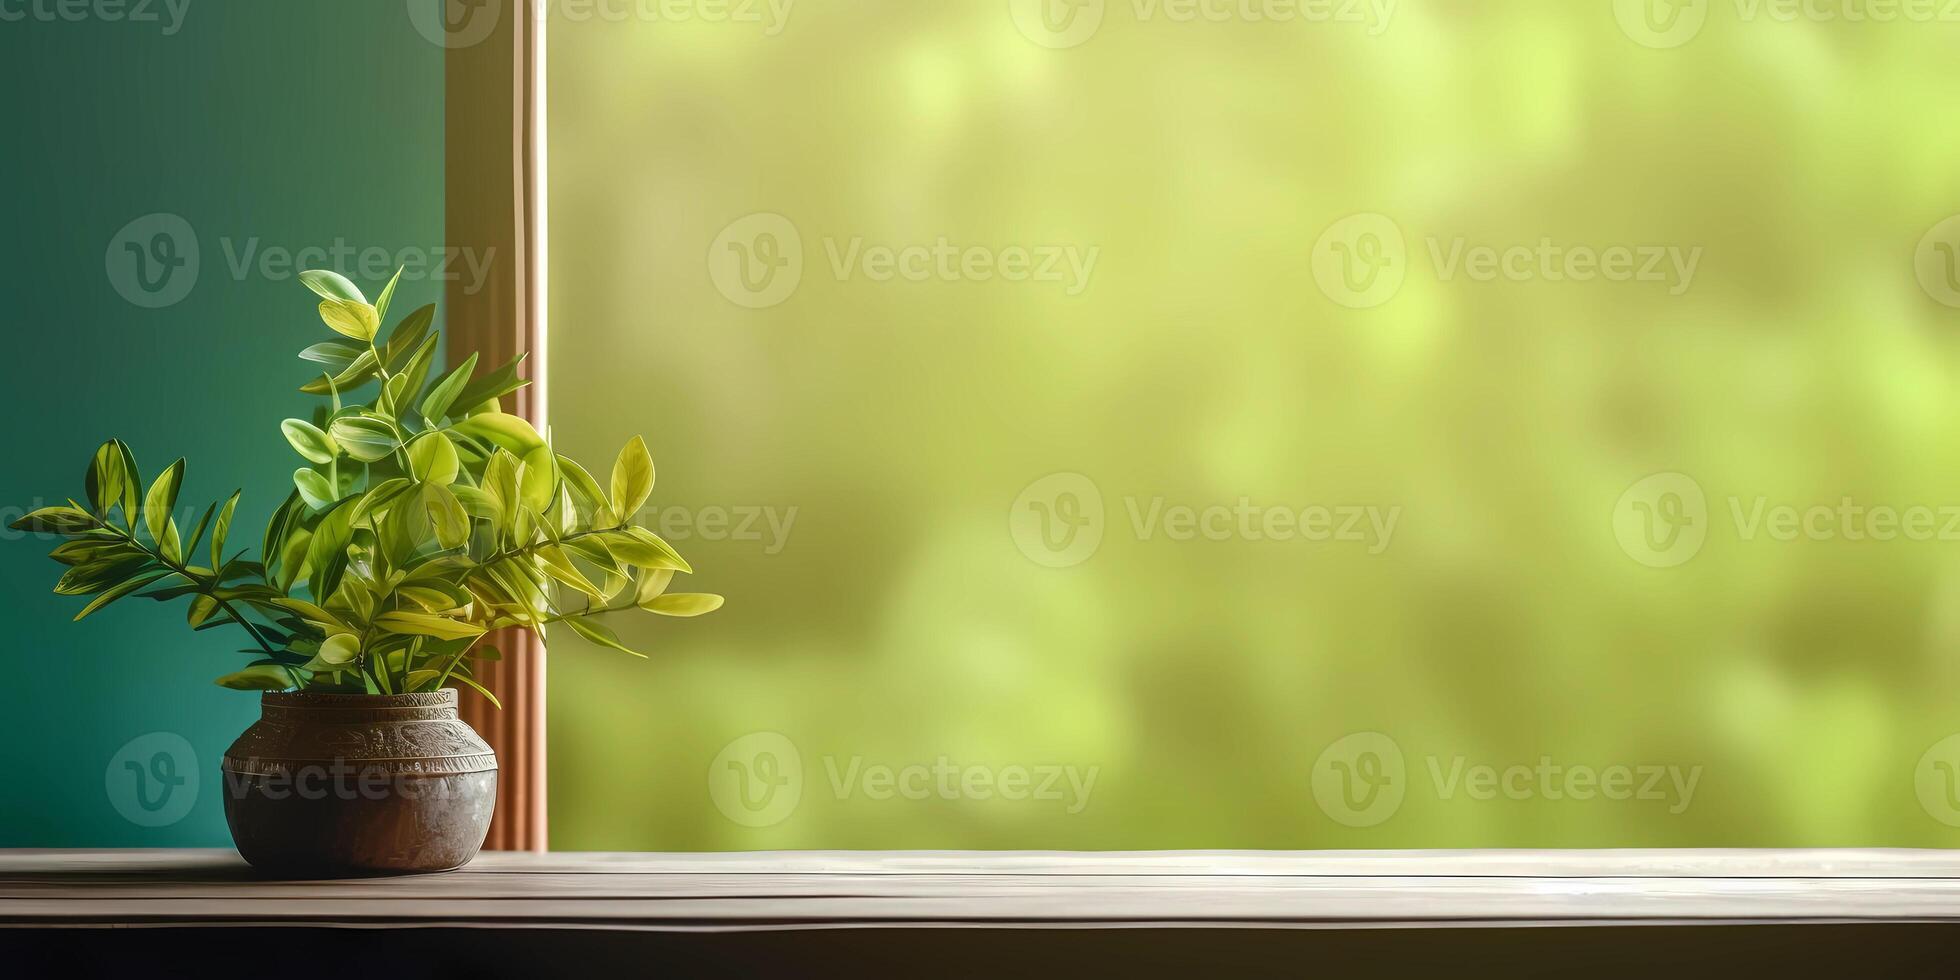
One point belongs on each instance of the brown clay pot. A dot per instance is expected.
(343, 785)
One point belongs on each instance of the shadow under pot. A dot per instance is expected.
(347, 785)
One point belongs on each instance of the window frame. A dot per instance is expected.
(495, 201)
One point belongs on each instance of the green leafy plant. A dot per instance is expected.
(424, 519)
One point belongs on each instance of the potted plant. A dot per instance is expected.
(424, 520)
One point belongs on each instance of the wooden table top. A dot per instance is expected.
(802, 890)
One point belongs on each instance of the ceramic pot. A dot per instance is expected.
(343, 785)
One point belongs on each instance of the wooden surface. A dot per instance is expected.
(960, 889)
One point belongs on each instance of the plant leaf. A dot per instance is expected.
(197, 535)
(203, 607)
(644, 549)
(684, 604)
(56, 520)
(587, 490)
(388, 294)
(158, 505)
(340, 649)
(116, 592)
(425, 624)
(282, 522)
(222, 532)
(132, 485)
(326, 552)
(365, 438)
(652, 585)
(314, 488)
(98, 575)
(452, 522)
(480, 689)
(443, 396)
(601, 634)
(496, 384)
(408, 335)
(507, 432)
(632, 479)
(433, 458)
(350, 318)
(105, 478)
(364, 367)
(328, 284)
(260, 677)
(559, 565)
(332, 353)
(537, 479)
(409, 382)
(308, 441)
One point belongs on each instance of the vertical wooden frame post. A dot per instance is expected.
(495, 208)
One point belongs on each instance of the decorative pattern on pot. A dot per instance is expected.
(337, 784)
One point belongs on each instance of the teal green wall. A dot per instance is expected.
(293, 123)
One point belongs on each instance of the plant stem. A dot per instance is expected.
(444, 678)
(204, 587)
(527, 549)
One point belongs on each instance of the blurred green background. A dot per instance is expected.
(1514, 615)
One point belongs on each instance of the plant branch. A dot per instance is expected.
(205, 588)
